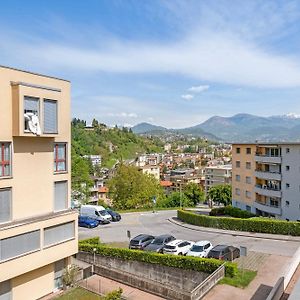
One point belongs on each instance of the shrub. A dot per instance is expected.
(91, 241)
(205, 265)
(257, 224)
(113, 295)
(231, 211)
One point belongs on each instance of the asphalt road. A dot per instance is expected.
(157, 223)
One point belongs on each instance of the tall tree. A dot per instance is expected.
(194, 193)
(130, 188)
(220, 193)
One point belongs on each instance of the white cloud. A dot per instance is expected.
(198, 89)
(123, 115)
(187, 97)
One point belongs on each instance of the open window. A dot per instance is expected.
(32, 115)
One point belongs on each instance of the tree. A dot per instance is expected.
(95, 123)
(220, 193)
(176, 199)
(130, 188)
(194, 193)
(81, 180)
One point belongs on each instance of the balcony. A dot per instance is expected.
(267, 208)
(49, 238)
(267, 191)
(267, 159)
(267, 175)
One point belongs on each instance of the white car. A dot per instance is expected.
(178, 247)
(200, 249)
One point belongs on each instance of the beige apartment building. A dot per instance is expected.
(216, 175)
(266, 179)
(38, 230)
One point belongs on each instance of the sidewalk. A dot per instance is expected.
(103, 285)
(267, 236)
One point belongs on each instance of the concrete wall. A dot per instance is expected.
(171, 283)
(291, 177)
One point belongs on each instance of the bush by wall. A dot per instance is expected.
(231, 211)
(184, 262)
(258, 224)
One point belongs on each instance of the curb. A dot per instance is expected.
(233, 233)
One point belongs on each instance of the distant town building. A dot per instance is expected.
(216, 175)
(95, 159)
(266, 179)
(151, 170)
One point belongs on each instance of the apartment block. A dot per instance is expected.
(266, 179)
(216, 175)
(38, 230)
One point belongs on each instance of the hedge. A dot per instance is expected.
(258, 224)
(205, 265)
(231, 211)
(91, 241)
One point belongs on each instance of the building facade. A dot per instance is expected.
(266, 179)
(216, 175)
(38, 230)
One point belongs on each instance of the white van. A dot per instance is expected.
(95, 212)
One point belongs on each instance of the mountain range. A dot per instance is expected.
(238, 128)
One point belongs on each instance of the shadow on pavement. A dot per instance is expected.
(262, 292)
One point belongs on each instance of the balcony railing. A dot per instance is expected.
(268, 187)
(268, 175)
(265, 207)
(267, 155)
(270, 191)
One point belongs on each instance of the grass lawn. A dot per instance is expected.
(241, 280)
(79, 293)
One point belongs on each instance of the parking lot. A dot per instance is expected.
(158, 223)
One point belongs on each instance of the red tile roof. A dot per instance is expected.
(166, 183)
(103, 189)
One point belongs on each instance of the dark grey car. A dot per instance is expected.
(141, 241)
(224, 252)
(159, 243)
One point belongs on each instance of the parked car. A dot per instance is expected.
(114, 215)
(141, 241)
(159, 243)
(95, 212)
(88, 222)
(178, 247)
(224, 252)
(200, 249)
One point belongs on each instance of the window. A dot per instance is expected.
(60, 157)
(237, 177)
(287, 185)
(58, 273)
(238, 164)
(237, 191)
(248, 208)
(31, 108)
(238, 150)
(19, 245)
(5, 205)
(248, 194)
(5, 290)
(287, 150)
(248, 179)
(248, 150)
(248, 165)
(50, 116)
(60, 195)
(59, 233)
(274, 202)
(287, 168)
(5, 159)
(287, 203)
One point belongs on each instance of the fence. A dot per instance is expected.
(205, 286)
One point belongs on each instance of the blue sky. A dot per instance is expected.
(171, 63)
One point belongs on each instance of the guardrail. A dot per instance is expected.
(205, 286)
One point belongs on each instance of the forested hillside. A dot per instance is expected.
(113, 144)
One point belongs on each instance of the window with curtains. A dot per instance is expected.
(19, 245)
(5, 205)
(60, 195)
(60, 157)
(50, 116)
(59, 234)
(5, 159)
